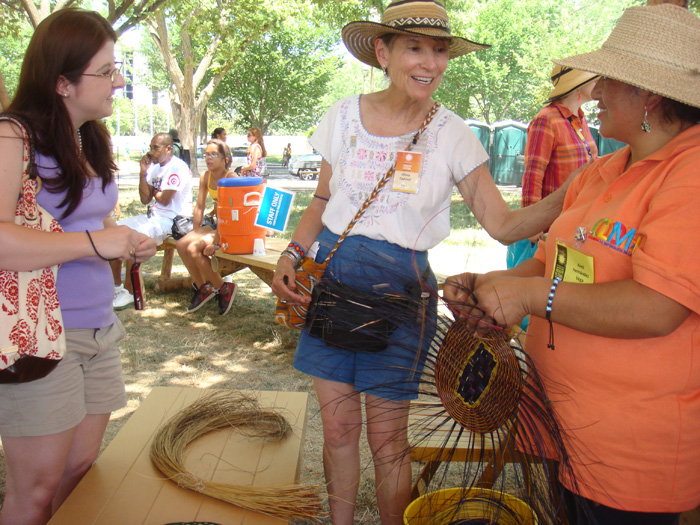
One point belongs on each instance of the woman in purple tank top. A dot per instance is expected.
(52, 428)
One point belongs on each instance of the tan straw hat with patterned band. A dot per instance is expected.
(566, 80)
(656, 48)
(405, 17)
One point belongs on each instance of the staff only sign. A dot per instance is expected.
(275, 208)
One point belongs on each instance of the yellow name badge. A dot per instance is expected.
(407, 174)
(572, 265)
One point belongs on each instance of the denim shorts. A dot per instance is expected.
(378, 266)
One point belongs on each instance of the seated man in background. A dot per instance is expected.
(166, 182)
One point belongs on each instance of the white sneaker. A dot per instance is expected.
(122, 298)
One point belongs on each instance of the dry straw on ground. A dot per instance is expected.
(229, 409)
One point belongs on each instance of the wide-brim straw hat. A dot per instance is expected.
(405, 17)
(566, 80)
(656, 48)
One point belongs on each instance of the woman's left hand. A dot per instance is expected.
(506, 300)
(145, 250)
(210, 249)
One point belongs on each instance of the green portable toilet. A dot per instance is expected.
(508, 152)
(484, 133)
(605, 145)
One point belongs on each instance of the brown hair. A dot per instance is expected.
(672, 111)
(223, 150)
(258, 135)
(63, 44)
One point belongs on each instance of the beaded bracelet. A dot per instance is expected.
(297, 248)
(550, 300)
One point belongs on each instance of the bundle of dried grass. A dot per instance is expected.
(228, 409)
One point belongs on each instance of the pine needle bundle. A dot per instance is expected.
(223, 410)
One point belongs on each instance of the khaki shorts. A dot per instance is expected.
(87, 381)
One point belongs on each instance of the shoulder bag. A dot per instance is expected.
(310, 272)
(32, 336)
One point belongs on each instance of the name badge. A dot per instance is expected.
(407, 174)
(572, 265)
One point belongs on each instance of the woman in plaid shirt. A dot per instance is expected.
(558, 138)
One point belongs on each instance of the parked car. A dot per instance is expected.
(306, 167)
(239, 157)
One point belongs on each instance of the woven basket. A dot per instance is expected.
(478, 380)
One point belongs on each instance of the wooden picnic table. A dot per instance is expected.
(225, 263)
(261, 265)
(124, 487)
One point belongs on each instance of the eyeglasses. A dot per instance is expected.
(112, 75)
(213, 156)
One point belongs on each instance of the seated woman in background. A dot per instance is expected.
(614, 291)
(256, 154)
(192, 247)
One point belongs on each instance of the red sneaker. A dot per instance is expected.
(226, 294)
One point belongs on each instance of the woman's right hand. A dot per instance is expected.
(284, 285)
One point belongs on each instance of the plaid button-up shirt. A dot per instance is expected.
(554, 149)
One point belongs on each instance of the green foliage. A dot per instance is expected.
(278, 82)
(15, 33)
(124, 111)
(511, 80)
(336, 13)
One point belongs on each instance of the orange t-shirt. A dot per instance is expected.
(631, 407)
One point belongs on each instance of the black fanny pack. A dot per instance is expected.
(184, 225)
(350, 319)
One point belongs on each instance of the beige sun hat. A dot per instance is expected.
(405, 17)
(566, 80)
(656, 48)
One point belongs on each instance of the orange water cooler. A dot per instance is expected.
(239, 202)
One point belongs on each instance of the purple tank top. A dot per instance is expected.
(85, 286)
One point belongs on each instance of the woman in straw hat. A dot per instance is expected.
(386, 251)
(614, 292)
(558, 138)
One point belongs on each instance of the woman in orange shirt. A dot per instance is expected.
(614, 292)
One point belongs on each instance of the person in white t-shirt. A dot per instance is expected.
(385, 254)
(165, 184)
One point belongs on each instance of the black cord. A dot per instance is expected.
(95, 248)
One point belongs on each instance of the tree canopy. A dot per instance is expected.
(279, 81)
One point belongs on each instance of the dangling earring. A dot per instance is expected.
(646, 127)
(384, 70)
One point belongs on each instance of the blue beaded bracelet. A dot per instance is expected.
(550, 300)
